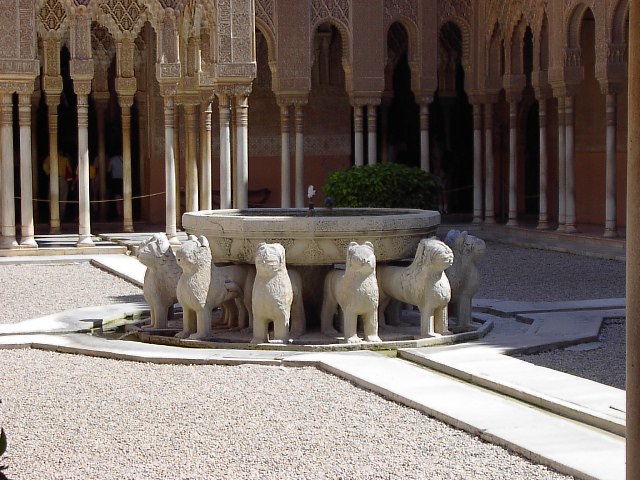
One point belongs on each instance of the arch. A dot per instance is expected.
(515, 60)
(345, 38)
(413, 46)
(465, 32)
(494, 67)
(574, 25)
(542, 45)
(620, 23)
(129, 23)
(268, 35)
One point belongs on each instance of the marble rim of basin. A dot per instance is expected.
(318, 239)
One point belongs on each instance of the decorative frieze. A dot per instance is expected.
(52, 15)
(323, 10)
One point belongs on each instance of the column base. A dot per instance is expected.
(28, 242)
(570, 228)
(610, 233)
(8, 242)
(542, 225)
(512, 222)
(489, 219)
(173, 239)
(54, 230)
(476, 220)
(128, 228)
(85, 241)
(561, 228)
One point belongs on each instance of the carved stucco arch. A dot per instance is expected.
(269, 37)
(494, 58)
(514, 52)
(465, 31)
(619, 26)
(573, 23)
(345, 39)
(414, 54)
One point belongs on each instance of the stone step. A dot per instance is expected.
(573, 397)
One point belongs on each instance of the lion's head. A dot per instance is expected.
(194, 254)
(433, 254)
(361, 258)
(154, 248)
(270, 258)
(465, 245)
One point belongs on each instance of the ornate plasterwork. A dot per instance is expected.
(265, 13)
(52, 17)
(121, 16)
(400, 8)
(325, 10)
(450, 9)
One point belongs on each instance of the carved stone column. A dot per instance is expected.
(101, 100)
(205, 155)
(126, 101)
(489, 213)
(610, 225)
(177, 136)
(82, 90)
(191, 164)
(372, 153)
(358, 139)
(424, 133)
(570, 192)
(285, 157)
(53, 100)
(224, 114)
(26, 173)
(543, 219)
(562, 156)
(170, 165)
(8, 202)
(513, 162)
(477, 163)
(299, 125)
(242, 149)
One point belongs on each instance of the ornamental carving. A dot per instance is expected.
(396, 8)
(455, 9)
(264, 11)
(322, 10)
(52, 15)
(127, 15)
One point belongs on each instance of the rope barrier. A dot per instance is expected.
(137, 197)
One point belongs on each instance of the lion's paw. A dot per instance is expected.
(354, 339)
(373, 339)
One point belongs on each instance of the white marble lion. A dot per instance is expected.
(161, 277)
(423, 284)
(272, 294)
(463, 274)
(355, 290)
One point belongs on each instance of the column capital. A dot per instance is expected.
(82, 87)
(168, 89)
(126, 86)
(564, 89)
(234, 89)
(286, 98)
(363, 99)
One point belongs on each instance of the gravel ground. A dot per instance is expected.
(73, 417)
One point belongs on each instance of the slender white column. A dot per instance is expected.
(477, 163)
(225, 150)
(489, 213)
(205, 156)
(191, 164)
(357, 125)
(84, 217)
(610, 225)
(101, 105)
(371, 131)
(26, 173)
(570, 192)
(562, 174)
(242, 148)
(177, 135)
(54, 187)
(127, 203)
(170, 169)
(424, 136)
(285, 158)
(299, 125)
(8, 239)
(543, 219)
(513, 126)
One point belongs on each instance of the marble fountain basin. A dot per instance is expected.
(317, 237)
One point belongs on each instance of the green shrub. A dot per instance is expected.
(384, 185)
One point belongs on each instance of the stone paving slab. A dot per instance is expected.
(566, 445)
(123, 266)
(574, 397)
(510, 308)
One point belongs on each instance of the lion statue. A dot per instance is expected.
(160, 279)
(272, 295)
(463, 274)
(355, 290)
(204, 287)
(423, 284)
